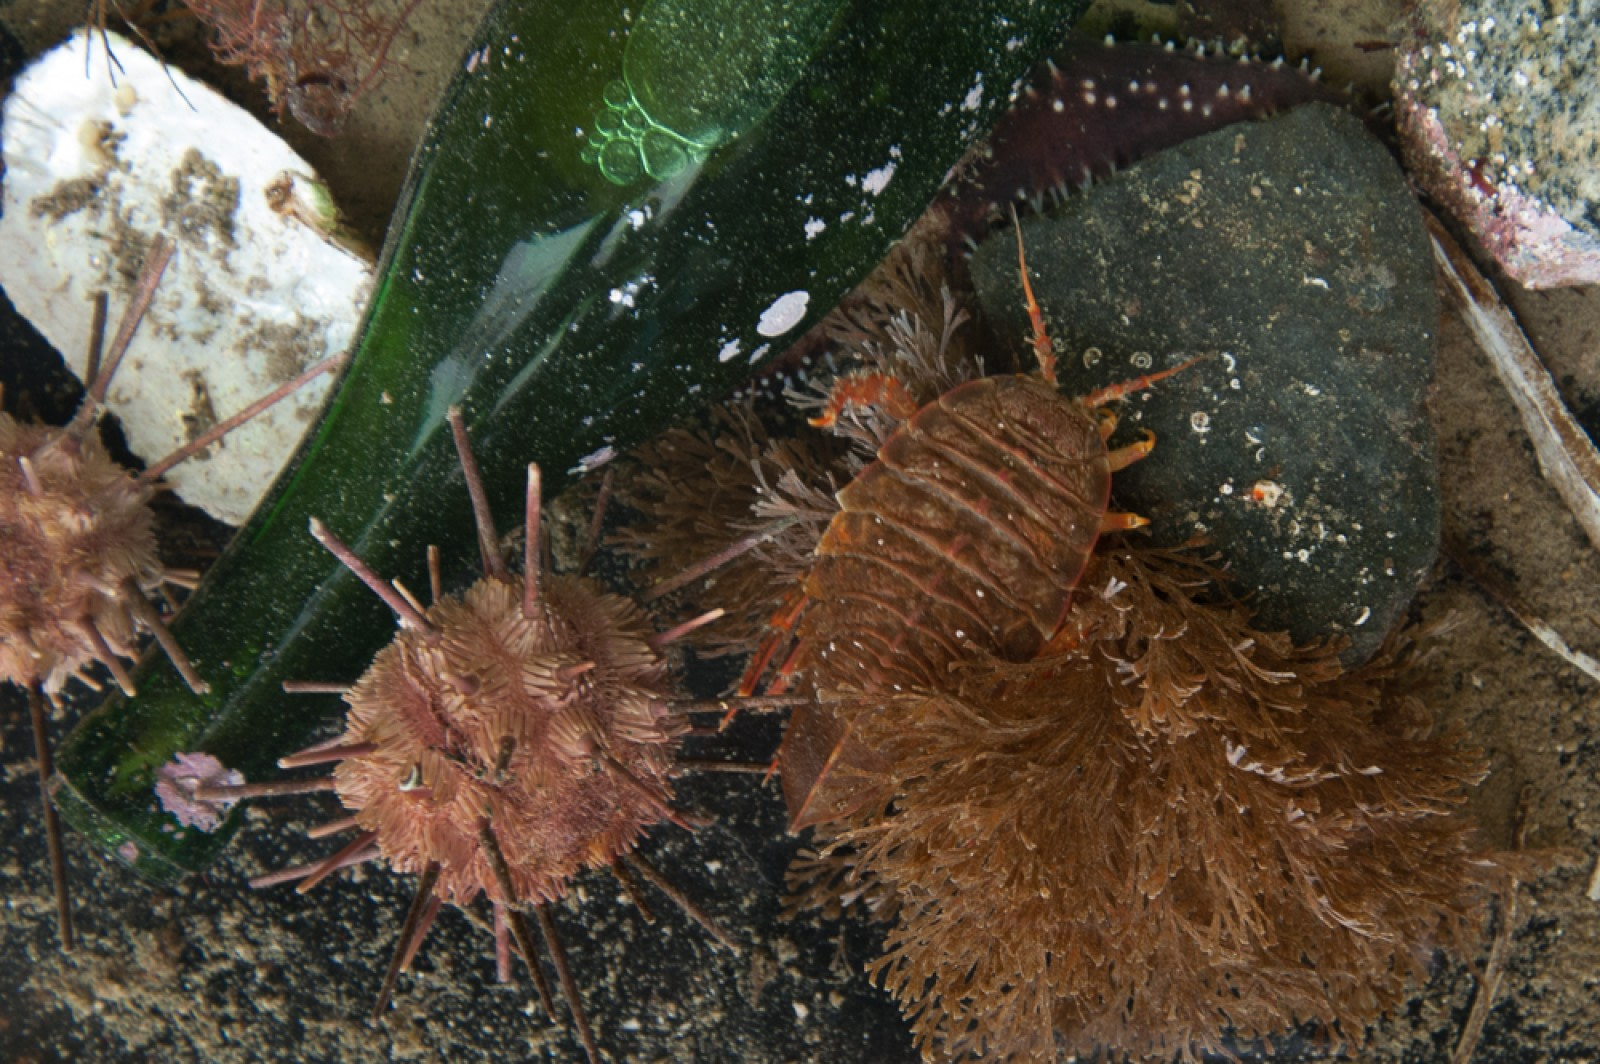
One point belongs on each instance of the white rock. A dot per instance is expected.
(96, 164)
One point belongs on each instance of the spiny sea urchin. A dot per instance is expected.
(78, 555)
(507, 739)
(77, 544)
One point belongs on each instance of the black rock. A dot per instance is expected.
(1291, 255)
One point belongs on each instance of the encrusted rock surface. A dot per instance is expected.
(1497, 103)
(1289, 255)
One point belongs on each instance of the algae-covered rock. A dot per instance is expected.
(1497, 112)
(1291, 255)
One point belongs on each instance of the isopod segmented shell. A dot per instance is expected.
(969, 530)
(966, 535)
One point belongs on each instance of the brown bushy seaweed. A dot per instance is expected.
(1180, 833)
(738, 492)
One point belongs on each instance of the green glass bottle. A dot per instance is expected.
(615, 212)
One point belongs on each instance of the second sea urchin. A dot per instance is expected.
(78, 555)
(79, 541)
(506, 740)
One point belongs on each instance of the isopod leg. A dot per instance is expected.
(1112, 392)
(1114, 521)
(1043, 350)
(1123, 457)
(1066, 638)
(785, 674)
(783, 624)
(864, 388)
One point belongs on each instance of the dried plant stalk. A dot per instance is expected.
(1566, 455)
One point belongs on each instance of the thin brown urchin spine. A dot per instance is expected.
(507, 739)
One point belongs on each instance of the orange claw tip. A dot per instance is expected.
(1122, 522)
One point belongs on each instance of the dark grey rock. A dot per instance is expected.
(1291, 254)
